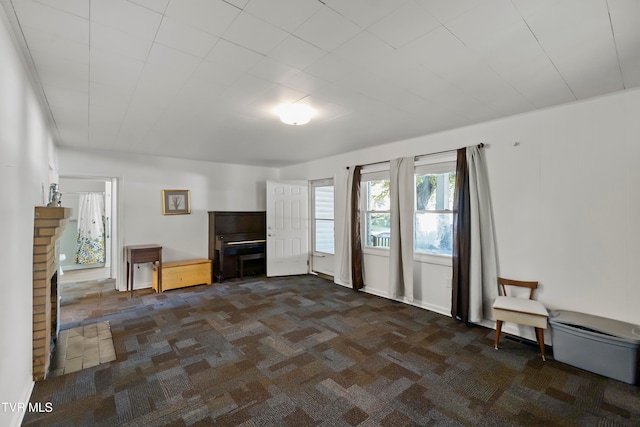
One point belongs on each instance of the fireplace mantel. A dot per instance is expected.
(48, 225)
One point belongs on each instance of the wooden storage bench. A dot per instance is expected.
(180, 274)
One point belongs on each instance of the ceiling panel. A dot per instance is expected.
(110, 99)
(200, 78)
(306, 83)
(52, 21)
(363, 49)
(254, 34)
(284, 14)
(127, 17)
(62, 73)
(166, 69)
(624, 19)
(71, 113)
(185, 38)
(365, 13)
(573, 41)
(157, 5)
(114, 70)
(211, 16)
(446, 10)
(513, 53)
(212, 74)
(44, 42)
(273, 71)
(331, 68)
(546, 88)
(405, 24)
(118, 42)
(233, 56)
(327, 29)
(484, 19)
(296, 52)
(74, 7)
(434, 47)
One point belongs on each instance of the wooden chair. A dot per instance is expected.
(520, 310)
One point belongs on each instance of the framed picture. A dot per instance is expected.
(176, 202)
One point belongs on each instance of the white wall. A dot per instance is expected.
(213, 187)
(565, 203)
(26, 156)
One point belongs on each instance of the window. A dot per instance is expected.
(323, 219)
(377, 216)
(435, 187)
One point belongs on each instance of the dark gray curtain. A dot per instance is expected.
(461, 241)
(357, 276)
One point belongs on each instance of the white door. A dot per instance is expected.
(287, 228)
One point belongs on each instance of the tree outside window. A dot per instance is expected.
(434, 210)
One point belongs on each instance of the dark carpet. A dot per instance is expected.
(301, 351)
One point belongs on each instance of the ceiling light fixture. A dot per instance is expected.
(295, 114)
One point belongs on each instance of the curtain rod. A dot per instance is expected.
(416, 157)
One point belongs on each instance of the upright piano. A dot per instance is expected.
(232, 234)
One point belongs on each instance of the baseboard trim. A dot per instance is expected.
(18, 416)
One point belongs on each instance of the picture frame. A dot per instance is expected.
(176, 202)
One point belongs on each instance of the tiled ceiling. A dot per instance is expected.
(199, 79)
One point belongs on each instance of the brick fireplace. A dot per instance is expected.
(48, 225)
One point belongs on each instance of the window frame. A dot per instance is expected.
(314, 184)
(379, 175)
(430, 167)
(381, 172)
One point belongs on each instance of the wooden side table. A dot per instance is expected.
(139, 254)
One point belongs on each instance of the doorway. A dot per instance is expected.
(322, 227)
(85, 246)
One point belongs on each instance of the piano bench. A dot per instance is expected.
(240, 259)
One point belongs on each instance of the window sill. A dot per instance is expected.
(319, 254)
(433, 259)
(368, 250)
(445, 260)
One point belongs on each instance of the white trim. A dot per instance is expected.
(421, 257)
(429, 159)
(425, 258)
(445, 311)
(375, 251)
(435, 168)
(324, 182)
(521, 331)
(319, 261)
(18, 416)
(118, 264)
(376, 167)
(374, 176)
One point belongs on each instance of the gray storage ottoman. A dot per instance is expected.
(605, 346)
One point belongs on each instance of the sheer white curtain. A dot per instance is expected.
(342, 259)
(402, 190)
(483, 268)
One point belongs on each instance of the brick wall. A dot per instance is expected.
(48, 225)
